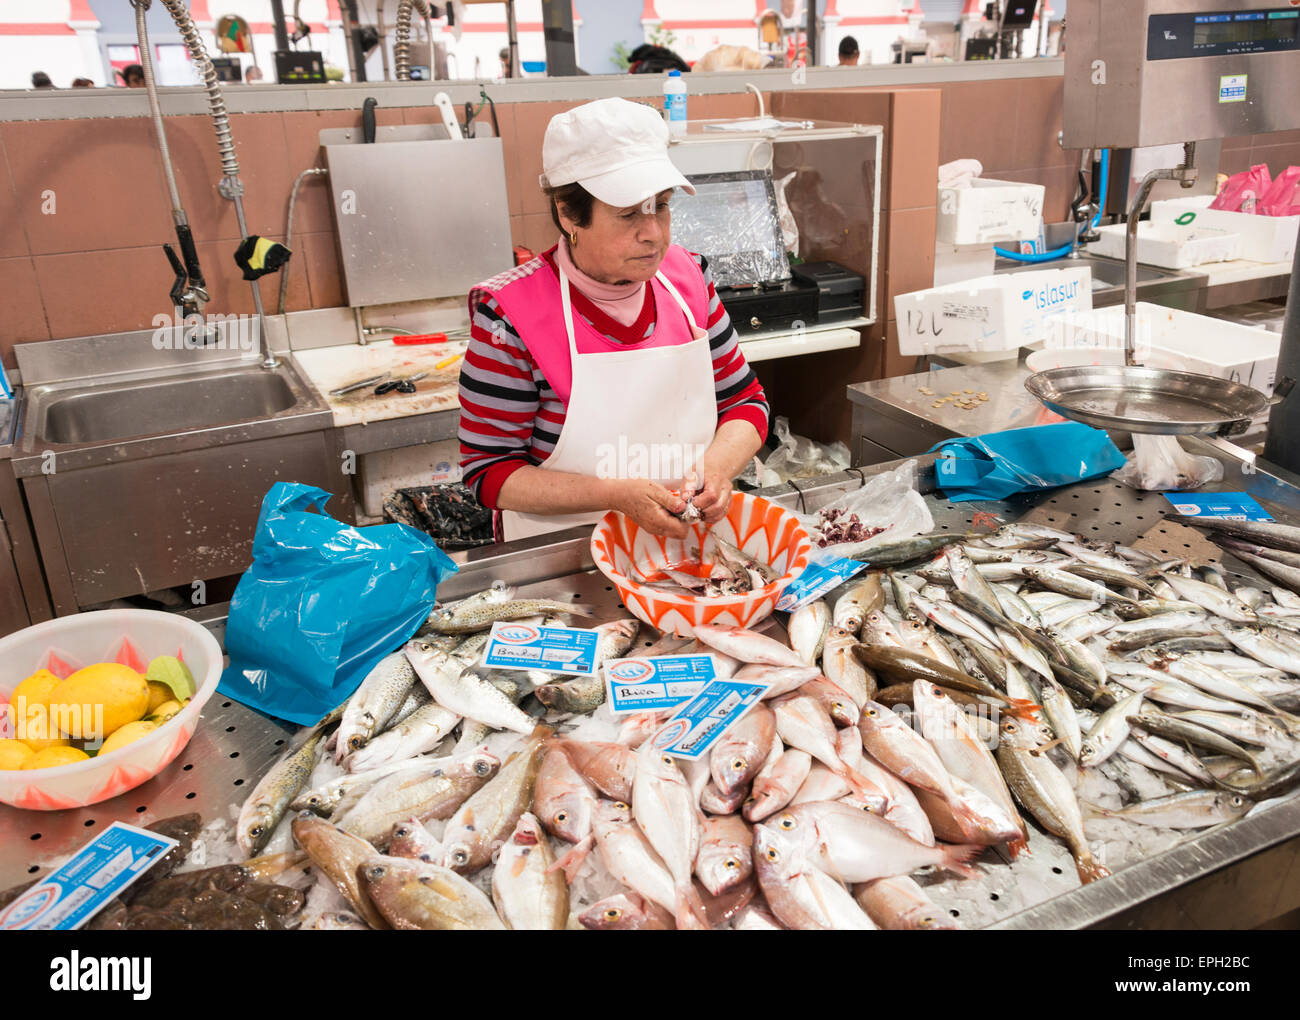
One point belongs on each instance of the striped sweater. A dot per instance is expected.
(510, 415)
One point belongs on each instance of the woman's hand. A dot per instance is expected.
(651, 506)
(712, 492)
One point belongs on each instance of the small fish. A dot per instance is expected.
(629, 857)
(381, 693)
(740, 752)
(565, 803)
(808, 626)
(626, 912)
(464, 619)
(896, 552)
(714, 802)
(271, 797)
(1055, 579)
(1111, 730)
(421, 731)
(725, 858)
(338, 854)
(862, 598)
(668, 813)
(1211, 597)
(777, 783)
(800, 894)
(528, 892)
(609, 767)
(747, 645)
(1197, 809)
(434, 791)
(414, 896)
(777, 679)
(465, 692)
(899, 904)
(844, 669)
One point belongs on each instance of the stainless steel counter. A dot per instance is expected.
(1235, 876)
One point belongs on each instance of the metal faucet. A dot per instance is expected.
(1185, 175)
(189, 290)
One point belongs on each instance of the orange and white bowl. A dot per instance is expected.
(623, 552)
(97, 637)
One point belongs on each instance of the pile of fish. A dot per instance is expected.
(926, 721)
(717, 568)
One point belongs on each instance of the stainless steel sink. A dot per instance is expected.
(151, 406)
(1111, 274)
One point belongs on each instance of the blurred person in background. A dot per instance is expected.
(41, 80)
(132, 76)
(849, 55)
(82, 83)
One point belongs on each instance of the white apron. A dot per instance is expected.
(628, 410)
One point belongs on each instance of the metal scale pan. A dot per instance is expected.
(1151, 401)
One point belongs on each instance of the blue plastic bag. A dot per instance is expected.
(999, 464)
(321, 604)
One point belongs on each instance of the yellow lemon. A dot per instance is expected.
(121, 691)
(164, 712)
(125, 734)
(52, 756)
(36, 689)
(13, 753)
(38, 731)
(159, 694)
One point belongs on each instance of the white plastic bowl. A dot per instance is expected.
(96, 637)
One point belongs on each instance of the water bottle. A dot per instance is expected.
(675, 103)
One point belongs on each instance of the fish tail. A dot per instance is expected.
(955, 856)
(1090, 869)
(572, 861)
(1096, 811)
(1022, 708)
(690, 909)
(1017, 847)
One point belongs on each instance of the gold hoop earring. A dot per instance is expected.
(573, 239)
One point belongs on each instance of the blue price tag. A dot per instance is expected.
(550, 649)
(1228, 506)
(652, 685)
(95, 874)
(825, 572)
(697, 725)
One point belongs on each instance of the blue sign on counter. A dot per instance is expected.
(95, 874)
(551, 649)
(1228, 506)
(825, 572)
(655, 684)
(697, 725)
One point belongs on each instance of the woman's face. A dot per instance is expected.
(623, 245)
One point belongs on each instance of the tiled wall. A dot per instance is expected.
(84, 211)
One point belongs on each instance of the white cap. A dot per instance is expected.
(616, 149)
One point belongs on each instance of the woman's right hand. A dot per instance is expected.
(651, 506)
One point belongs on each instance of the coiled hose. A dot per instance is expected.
(216, 102)
(402, 34)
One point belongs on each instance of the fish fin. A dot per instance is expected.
(690, 912)
(1022, 708)
(572, 861)
(1088, 809)
(1017, 847)
(1090, 869)
(542, 732)
(955, 856)
(577, 610)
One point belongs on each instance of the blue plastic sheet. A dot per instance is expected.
(321, 604)
(999, 464)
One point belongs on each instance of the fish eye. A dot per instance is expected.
(621, 806)
(870, 711)
(1009, 727)
(377, 872)
(925, 922)
(427, 858)
(256, 831)
(460, 855)
(773, 854)
(731, 864)
(561, 817)
(665, 759)
(738, 764)
(482, 768)
(613, 914)
(401, 832)
(937, 691)
(1237, 801)
(425, 880)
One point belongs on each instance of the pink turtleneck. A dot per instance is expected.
(622, 302)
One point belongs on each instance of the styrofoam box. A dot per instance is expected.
(385, 470)
(990, 313)
(956, 263)
(1170, 246)
(989, 211)
(1174, 339)
(1262, 238)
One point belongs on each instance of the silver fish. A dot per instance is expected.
(270, 799)
(1216, 600)
(801, 895)
(464, 619)
(844, 670)
(1195, 810)
(742, 750)
(381, 693)
(421, 731)
(629, 857)
(863, 597)
(529, 894)
(807, 627)
(1111, 730)
(465, 692)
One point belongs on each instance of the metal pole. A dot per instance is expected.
(277, 23)
(351, 27)
(558, 36)
(1283, 444)
(512, 33)
(811, 33)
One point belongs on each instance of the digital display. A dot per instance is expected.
(1222, 33)
(1253, 26)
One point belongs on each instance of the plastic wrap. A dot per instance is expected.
(789, 228)
(886, 508)
(732, 220)
(1161, 463)
(1242, 192)
(799, 457)
(1283, 196)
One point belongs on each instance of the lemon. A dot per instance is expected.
(36, 689)
(125, 734)
(52, 756)
(159, 694)
(164, 712)
(13, 753)
(123, 693)
(37, 732)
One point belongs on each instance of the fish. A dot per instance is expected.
(956, 620)
(747, 645)
(807, 627)
(629, 857)
(800, 895)
(381, 693)
(414, 896)
(1097, 558)
(968, 580)
(609, 767)
(714, 802)
(626, 912)
(340, 793)
(1287, 574)
(1045, 793)
(465, 692)
(803, 722)
(740, 752)
(841, 708)
(843, 668)
(777, 783)
(528, 893)
(1061, 613)
(908, 666)
(862, 598)
(1172, 754)
(1262, 648)
(421, 731)
(725, 857)
(823, 784)
(486, 819)
(466, 619)
(1208, 596)
(1270, 533)
(270, 799)
(411, 839)
(1061, 716)
(1197, 809)
(1073, 585)
(668, 813)
(338, 854)
(858, 846)
(1116, 578)
(565, 803)
(1187, 732)
(583, 694)
(1108, 733)
(341, 920)
(897, 903)
(737, 555)
(1243, 728)
(433, 791)
(896, 552)
(416, 697)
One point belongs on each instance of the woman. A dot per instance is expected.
(606, 369)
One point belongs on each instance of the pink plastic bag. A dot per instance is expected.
(1242, 192)
(1283, 197)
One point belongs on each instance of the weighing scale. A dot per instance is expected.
(1154, 72)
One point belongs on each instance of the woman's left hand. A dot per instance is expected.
(712, 489)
